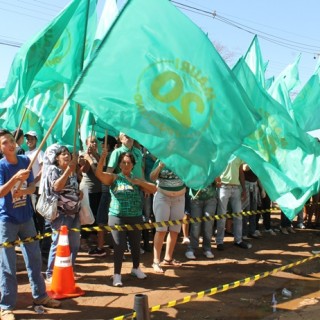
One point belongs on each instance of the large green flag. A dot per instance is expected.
(32, 56)
(157, 77)
(284, 83)
(286, 160)
(306, 105)
(54, 80)
(254, 60)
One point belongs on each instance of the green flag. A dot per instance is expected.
(157, 77)
(54, 80)
(32, 56)
(108, 15)
(254, 60)
(269, 82)
(286, 160)
(91, 123)
(306, 105)
(286, 81)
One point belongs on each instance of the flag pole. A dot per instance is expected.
(48, 133)
(20, 124)
(76, 130)
(92, 129)
(106, 139)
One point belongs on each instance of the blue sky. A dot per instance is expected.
(293, 23)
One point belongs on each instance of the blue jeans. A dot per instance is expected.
(228, 193)
(74, 239)
(199, 209)
(32, 257)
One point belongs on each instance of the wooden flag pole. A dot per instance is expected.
(106, 140)
(76, 131)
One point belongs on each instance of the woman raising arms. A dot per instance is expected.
(125, 208)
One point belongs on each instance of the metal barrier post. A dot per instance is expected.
(141, 307)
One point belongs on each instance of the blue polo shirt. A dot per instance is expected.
(15, 210)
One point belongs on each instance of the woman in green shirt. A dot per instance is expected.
(125, 208)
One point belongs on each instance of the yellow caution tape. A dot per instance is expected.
(220, 288)
(127, 227)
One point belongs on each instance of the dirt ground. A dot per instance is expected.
(250, 301)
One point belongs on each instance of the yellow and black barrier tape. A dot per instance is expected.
(220, 288)
(143, 226)
(26, 240)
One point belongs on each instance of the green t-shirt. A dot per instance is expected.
(231, 174)
(125, 198)
(137, 170)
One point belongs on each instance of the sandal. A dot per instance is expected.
(172, 262)
(156, 267)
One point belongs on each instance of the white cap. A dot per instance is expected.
(31, 133)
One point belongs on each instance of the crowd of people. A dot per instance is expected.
(126, 185)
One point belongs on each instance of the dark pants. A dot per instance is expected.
(119, 239)
(265, 205)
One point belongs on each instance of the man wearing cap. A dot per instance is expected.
(127, 145)
(32, 139)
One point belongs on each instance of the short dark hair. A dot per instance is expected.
(127, 154)
(4, 132)
(60, 150)
(17, 134)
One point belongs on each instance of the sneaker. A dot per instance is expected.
(7, 315)
(208, 254)
(284, 230)
(190, 255)
(243, 245)
(47, 302)
(138, 273)
(290, 230)
(117, 280)
(301, 226)
(255, 235)
(258, 233)
(97, 252)
(220, 247)
(271, 232)
(186, 240)
(245, 238)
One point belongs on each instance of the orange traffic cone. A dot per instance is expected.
(63, 284)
